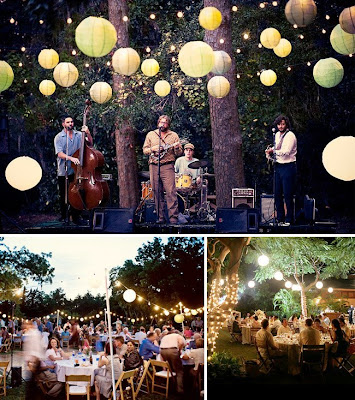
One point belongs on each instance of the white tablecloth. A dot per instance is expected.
(66, 367)
(246, 336)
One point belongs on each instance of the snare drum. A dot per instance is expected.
(183, 181)
(147, 191)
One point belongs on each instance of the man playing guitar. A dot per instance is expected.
(163, 146)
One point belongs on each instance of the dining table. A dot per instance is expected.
(66, 367)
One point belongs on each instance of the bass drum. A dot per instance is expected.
(183, 182)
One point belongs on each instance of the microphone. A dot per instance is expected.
(273, 130)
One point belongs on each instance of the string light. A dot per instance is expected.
(125, 18)
(246, 36)
(180, 14)
(69, 20)
(12, 21)
(234, 8)
(262, 5)
(221, 41)
(152, 16)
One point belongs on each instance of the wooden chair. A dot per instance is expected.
(143, 382)
(65, 341)
(236, 336)
(200, 378)
(3, 369)
(74, 390)
(6, 346)
(312, 359)
(162, 371)
(129, 376)
(344, 363)
(253, 332)
(17, 341)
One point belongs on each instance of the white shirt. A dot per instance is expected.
(288, 150)
(140, 336)
(172, 340)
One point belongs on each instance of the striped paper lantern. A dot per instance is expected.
(270, 38)
(162, 88)
(65, 74)
(47, 87)
(210, 18)
(150, 67)
(283, 49)
(126, 61)
(347, 20)
(300, 12)
(196, 59)
(268, 77)
(222, 62)
(218, 87)
(328, 72)
(101, 92)
(6, 75)
(48, 58)
(341, 41)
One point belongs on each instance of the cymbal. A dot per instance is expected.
(144, 174)
(198, 164)
(208, 174)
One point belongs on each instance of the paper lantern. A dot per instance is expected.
(222, 62)
(129, 295)
(288, 284)
(283, 49)
(6, 75)
(47, 87)
(347, 20)
(319, 285)
(95, 36)
(251, 284)
(268, 77)
(218, 86)
(263, 260)
(179, 318)
(300, 12)
(65, 74)
(48, 58)
(270, 38)
(125, 61)
(150, 67)
(210, 18)
(328, 72)
(338, 158)
(196, 59)
(101, 92)
(278, 275)
(23, 173)
(341, 41)
(162, 88)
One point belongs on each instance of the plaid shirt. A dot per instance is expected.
(152, 139)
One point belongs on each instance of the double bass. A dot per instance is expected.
(88, 190)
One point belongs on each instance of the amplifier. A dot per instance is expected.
(267, 208)
(243, 198)
(106, 177)
(113, 220)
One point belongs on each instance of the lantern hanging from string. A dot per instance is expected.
(222, 62)
(268, 77)
(150, 67)
(179, 318)
(47, 87)
(126, 61)
(23, 173)
(162, 88)
(95, 36)
(347, 20)
(196, 59)
(328, 72)
(341, 41)
(129, 295)
(300, 12)
(218, 86)
(270, 38)
(48, 58)
(101, 92)
(283, 49)
(65, 74)
(6, 75)
(210, 18)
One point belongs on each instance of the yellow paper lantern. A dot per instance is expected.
(101, 92)
(162, 88)
(48, 58)
(347, 20)
(23, 173)
(300, 12)
(268, 77)
(338, 158)
(196, 59)
(47, 87)
(6, 75)
(150, 67)
(218, 86)
(95, 36)
(65, 74)
(222, 62)
(210, 18)
(179, 318)
(341, 41)
(270, 38)
(328, 72)
(126, 61)
(283, 49)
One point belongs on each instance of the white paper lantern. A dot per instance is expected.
(319, 285)
(129, 295)
(251, 284)
(278, 275)
(263, 260)
(330, 290)
(23, 173)
(288, 285)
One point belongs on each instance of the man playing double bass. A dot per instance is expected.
(66, 143)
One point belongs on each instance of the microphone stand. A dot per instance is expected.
(158, 211)
(66, 182)
(274, 178)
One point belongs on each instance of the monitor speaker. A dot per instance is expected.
(267, 208)
(237, 220)
(113, 220)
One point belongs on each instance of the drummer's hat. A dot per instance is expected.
(189, 146)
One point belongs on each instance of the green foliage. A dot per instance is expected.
(223, 367)
(287, 303)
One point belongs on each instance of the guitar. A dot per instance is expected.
(165, 149)
(269, 157)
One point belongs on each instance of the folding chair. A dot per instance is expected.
(6, 345)
(3, 368)
(162, 371)
(65, 341)
(345, 363)
(18, 341)
(141, 386)
(236, 336)
(75, 390)
(312, 359)
(200, 378)
(253, 332)
(263, 361)
(126, 375)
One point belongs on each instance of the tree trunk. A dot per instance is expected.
(225, 126)
(124, 133)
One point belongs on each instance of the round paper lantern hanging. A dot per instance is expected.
(129, 295)
(338, 158)
(268, 77)
(126, 61)
(283, 49)
(210, 18)
(347, 20)
(65, 74)
(48, 58)
(150, 67)
(162, 88)
(270, 38)
(6, 75)
(218, 86)
(179, 318)
(196, 59)
(300, 12)
(47, 87)
(328, 72)
(95, 36)
(222, 62)
(341, 41)
(101, 92)
(23, 173)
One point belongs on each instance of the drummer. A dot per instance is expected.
(182, 164)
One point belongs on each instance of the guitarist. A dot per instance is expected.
(170, 148)
(284, 154)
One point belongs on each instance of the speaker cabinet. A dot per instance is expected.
(237, 220)
(113, 220)
(267, 208)
(16, 376)
(242, 198)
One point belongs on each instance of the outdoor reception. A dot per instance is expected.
(105, 317)
(189, 116)
(280, 311)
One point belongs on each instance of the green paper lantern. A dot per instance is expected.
(196, 59)
(341, 41)
(222, 62)
(47, 87)
(6, 75)
(150, 67)
(125, 61)
(328, 72)
(283, 49)
(218, 87)
(268, 77)
(270, 38)
(48, 58)
(65, 74)
(23, 173)
(347, 20)
(300, 12)
(162, 88)
(101, 92)
(210, 18)
(95, 36)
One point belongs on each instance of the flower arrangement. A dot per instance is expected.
(260, 314)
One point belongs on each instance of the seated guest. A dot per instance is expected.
(265, 340)
(132, 359)
(309, 335)
(157, 335)
(54, 353)
(192, 344)
(188, 332)
(141, 334)
(231, 318)
(86, 343)
(275, 325)
(338, 335)
(344, 327)
(318, 325)
(120, 346)
(255, 323)
(196, 354)
(284, 328)
(148, 349)
(125, 334)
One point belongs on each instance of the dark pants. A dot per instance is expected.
(63, 206)
(172, 356)
(285, 185)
